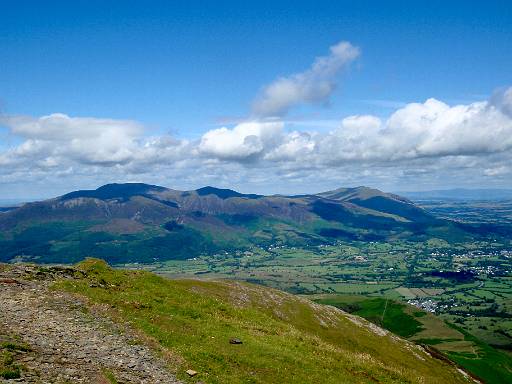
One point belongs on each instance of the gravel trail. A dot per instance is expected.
(69, 344)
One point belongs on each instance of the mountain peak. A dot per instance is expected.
(224, 193)
(115, 191)
(360, 192)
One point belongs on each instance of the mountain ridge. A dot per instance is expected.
(121, 221)
(107, 201)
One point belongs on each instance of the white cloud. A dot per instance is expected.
(294, 146)
(61, 127)
(89, 140)
(58, 139)
(429, 143)
(432, 129)
(244, 141)
(312, 86)
(420, 130)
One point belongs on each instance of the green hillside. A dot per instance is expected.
(285, 339)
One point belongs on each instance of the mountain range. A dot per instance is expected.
(136, 222)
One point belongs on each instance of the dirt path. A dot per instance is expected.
(67, 343)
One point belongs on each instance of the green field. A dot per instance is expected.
(383, 312)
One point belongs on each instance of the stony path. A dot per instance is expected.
(70, 345)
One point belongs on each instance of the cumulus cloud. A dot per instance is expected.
(90, 140)
(416, 132)
(295, 145)
(429, 142)
(419, 130)
(244, 141)
(311, 86)
(59, 126)
(58, 139)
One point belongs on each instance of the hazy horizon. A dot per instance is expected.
(4, 202)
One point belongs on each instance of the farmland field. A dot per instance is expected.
(468, 284)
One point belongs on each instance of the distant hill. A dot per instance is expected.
(136, 222)
(461, 194)
(379, 201)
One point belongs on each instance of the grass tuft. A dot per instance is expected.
(110, 376)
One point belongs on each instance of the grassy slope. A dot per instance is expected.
(491, 365)
(488, 363)
(286, 339)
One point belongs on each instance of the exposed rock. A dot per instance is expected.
(235, 341)
(66, 342)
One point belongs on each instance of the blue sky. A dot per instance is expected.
(185, 68)
(186, 65)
